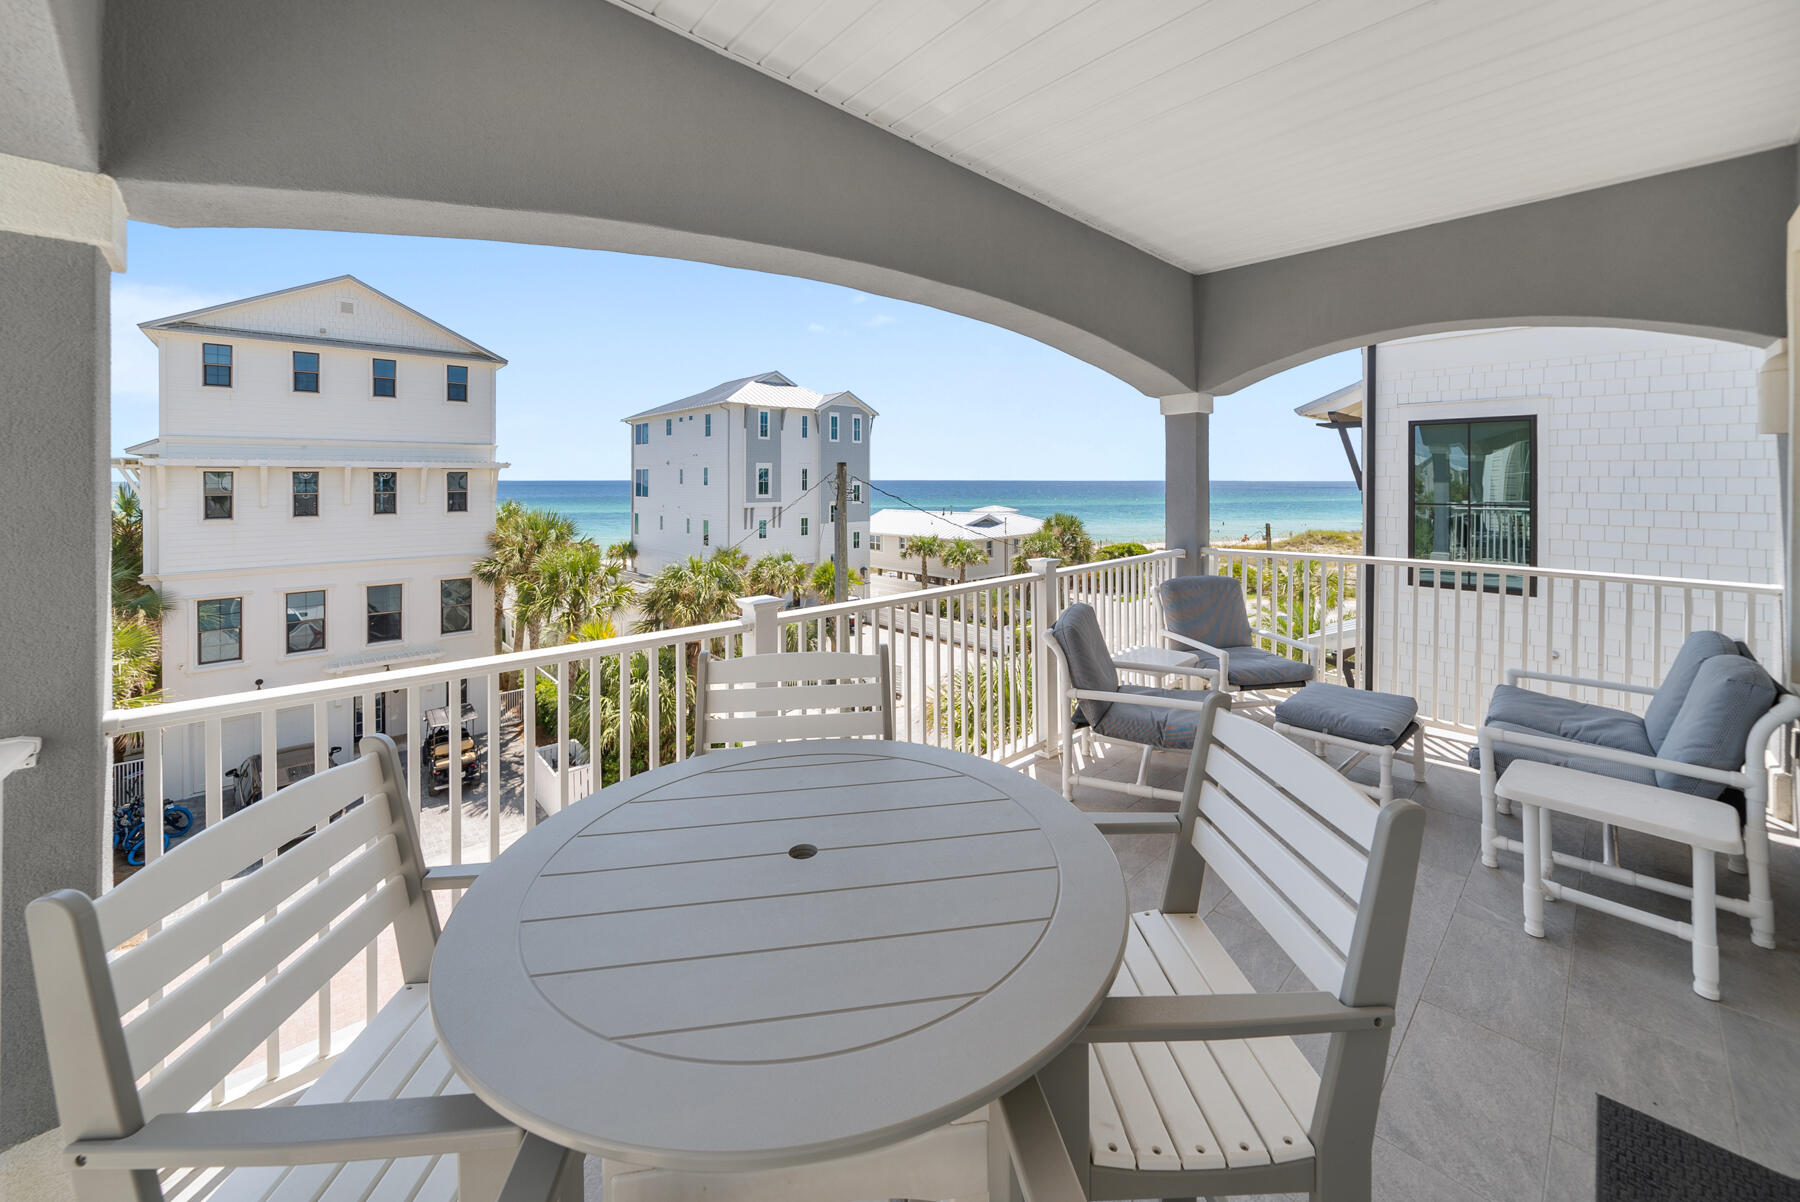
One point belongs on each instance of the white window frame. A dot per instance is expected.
(803, 475)
(765, 479)
(706, 532)
(834, 427)
(856, 540)
(762, 529)
(856, 427)
(803, 526)
(805, 422)
(762, 423)
(324, 621)
(709, 425)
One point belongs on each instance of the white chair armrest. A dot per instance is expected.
(1196, 644)
(452, 876)
(1137, 824)
(303, 1134)
(1489, 735)
(1306, 649)
(1228, 1016)
(1174, 703)
(1515, 675)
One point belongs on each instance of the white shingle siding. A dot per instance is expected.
(1648, 463)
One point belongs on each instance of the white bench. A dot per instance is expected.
(151, 994)
(1707, 827)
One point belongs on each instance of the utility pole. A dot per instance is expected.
(840, 537)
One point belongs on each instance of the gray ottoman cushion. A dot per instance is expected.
(1077, 632)
(1381, 719)
(1727, 696)
(1699, 647)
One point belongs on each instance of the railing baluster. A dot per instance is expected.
(528, 739)
(624, 715)
(496, 728)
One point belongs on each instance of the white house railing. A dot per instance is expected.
(1445, 632)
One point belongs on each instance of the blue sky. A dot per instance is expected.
(593, 336)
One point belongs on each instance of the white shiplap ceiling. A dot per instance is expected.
(1214, 133)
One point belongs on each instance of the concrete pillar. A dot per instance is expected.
(60, 231)
(1187, 476)
(54, 550)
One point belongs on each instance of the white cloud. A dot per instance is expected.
(813, 327)
(861, 298)
(134, 381)
(881, 319)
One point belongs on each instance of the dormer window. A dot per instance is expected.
(215, 364)
(456, 382)
(384, 374)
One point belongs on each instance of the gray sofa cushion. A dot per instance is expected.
(1254, 668)
(1208, 609)
(1077, 632)
(1524, 711)
(1359, 714)
(1700, 646)
(1157, 725)
(1724, 700)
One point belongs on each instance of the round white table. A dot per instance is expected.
(773, 955)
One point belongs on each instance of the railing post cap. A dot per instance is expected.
(1044, 565)
(762, 601)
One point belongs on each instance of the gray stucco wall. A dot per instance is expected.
(758, 449)
(1697, 251)
(854, 455)
(50, 81)
(54, 434)
(575, 122)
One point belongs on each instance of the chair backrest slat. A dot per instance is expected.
(1322, 963)
(140, 971)
(1344, 863)
(1324, 793)
(799, 695)
(206, 1062)
(1290, 874)
(190, 1005)
(220, 852)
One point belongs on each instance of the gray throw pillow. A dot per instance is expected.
(1728, 695)
(1091, 668)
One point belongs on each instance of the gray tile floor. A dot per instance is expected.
(1503, 1041)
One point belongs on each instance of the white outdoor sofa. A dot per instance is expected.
(1690, 770)
(1186, 1082)
(140, 1037)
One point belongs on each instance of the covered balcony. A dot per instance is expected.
(1631, 169)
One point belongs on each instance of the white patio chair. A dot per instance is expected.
(1186, 1082)
(797, 695)
(1207, 615)
(1094, 707)
(139, 1037)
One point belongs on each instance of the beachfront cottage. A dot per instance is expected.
(750, 464)
(323, 477)
(996, 529)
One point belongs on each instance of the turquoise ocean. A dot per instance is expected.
(1113, 510)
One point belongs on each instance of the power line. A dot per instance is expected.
(829, 478)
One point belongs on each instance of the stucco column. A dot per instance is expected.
(55, 414)
(1187, 476)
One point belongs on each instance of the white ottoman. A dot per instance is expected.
(1362, 722)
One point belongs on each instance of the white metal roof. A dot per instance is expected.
(771, 390)
(1346, 402)
(320, 454)
(1214, 134)
(986, 521)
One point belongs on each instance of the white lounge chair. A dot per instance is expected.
(139, 1038)
(1207, 615)
(1186, 1082)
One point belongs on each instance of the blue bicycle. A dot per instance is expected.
(128, 828)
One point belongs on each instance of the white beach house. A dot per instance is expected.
(323, 478)
(750, 463)
(996, 529)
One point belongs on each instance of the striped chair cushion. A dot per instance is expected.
(1208, 609)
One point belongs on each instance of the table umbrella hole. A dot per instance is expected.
(803, 851)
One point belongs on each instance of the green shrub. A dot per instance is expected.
(1121, 550)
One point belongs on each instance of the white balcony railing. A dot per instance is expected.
(1445, 632)
(968, 675)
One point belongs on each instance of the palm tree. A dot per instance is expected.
(961, 554)
(778, 575)
(624, 554)
(925, 546)
(1061, 537)
(130, 595)
(572, 583)
(694, 592)
(823, 584)
(519, 539)
(136, 660)
(732, 559)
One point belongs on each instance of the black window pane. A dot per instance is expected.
(306, 505)
(220, 625)
(218, 508)
(216, 352)
(218, 377)
(215, 358)
(454, 597)
(384, 613)
(386, 500)
(456, 383)
(384, 377)
(384, 628)
(1500, 462)
(306, 621)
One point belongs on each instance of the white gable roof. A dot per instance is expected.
(986, 521)
(771, 390)
(341, 311)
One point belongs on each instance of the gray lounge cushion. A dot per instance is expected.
(1208, 609)
(1726, 697)
(1254, 668)
(1156, 725)
(1077, 632)
(1381, 719)
(1699, 647)
(1524, 711)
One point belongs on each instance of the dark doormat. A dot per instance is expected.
(1638, 1158)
